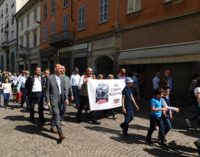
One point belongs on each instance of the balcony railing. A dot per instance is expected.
(62, 39)
(4, 44)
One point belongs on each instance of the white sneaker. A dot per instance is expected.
(63, 123)
(188, 123)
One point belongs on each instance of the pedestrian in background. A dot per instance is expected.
(7, 90)
(74, 81)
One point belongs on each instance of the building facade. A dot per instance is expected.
(28, 26)
(142, 36)
(8, 34)
(79, 34)
(159, 35)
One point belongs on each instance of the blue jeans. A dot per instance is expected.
(6, 96)
(76, 95)
(153, 122)
(128, 117)
(167, 125)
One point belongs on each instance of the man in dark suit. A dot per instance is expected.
(33, 87)
(56, 94)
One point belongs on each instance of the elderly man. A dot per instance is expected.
(84, 100)
(56, 94)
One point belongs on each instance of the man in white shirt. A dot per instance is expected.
(34, 93)
(156, 81)
(74, 81)
(84, 100)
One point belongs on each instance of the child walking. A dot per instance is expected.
(127, 107)
(156, 117)
(167, 116)
(7, 90)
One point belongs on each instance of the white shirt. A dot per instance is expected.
(6, 87)
(74, 79)
(58, 83)
(37, 86)
(156, 82)
(21, 80)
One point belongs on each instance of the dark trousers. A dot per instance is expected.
(128, 117)
(84, 101)
(56, 116)
(36, 99)
(153, 122)
(76, 95)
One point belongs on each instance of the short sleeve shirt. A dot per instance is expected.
(127, 92)
(156, 103)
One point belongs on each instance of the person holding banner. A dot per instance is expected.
(127, 107)
(84, 100)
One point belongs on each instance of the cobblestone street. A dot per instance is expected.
(20, 138)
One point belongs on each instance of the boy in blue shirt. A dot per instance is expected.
(156, 116)
(127, 105)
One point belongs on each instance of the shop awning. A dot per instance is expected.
(180, 52)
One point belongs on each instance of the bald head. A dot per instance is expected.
(58, 69)
(89, 71)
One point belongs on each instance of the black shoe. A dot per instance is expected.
(61, 138)
(78, 119)
(149, 141)
(125, 134)
(32, 120)
(96, 122)
(196, 144)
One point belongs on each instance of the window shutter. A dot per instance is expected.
(133, 6)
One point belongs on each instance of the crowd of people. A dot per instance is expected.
(55, 91)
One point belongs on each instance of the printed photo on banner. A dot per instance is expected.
(105, 94)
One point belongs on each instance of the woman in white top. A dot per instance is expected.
(7, 90)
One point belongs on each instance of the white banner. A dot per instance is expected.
(105, 94)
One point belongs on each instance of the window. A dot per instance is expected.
(22, 24)
(103, 11)
(65, 22)
(65, 3)
(28, 20)
(133, 6)
(21, 41)
(81, 18)
(45, 9)
(27, 41)
(1, 27)
(53, 27)
(2, 14)
(45, 33)
(6, 8)
(12, 35)
(12, 20)
(53, 7)
(12, 4)
(35, 15)
(35, 38)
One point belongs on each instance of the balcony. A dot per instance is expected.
(24, 51)
(4, 45)
(62, 39)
